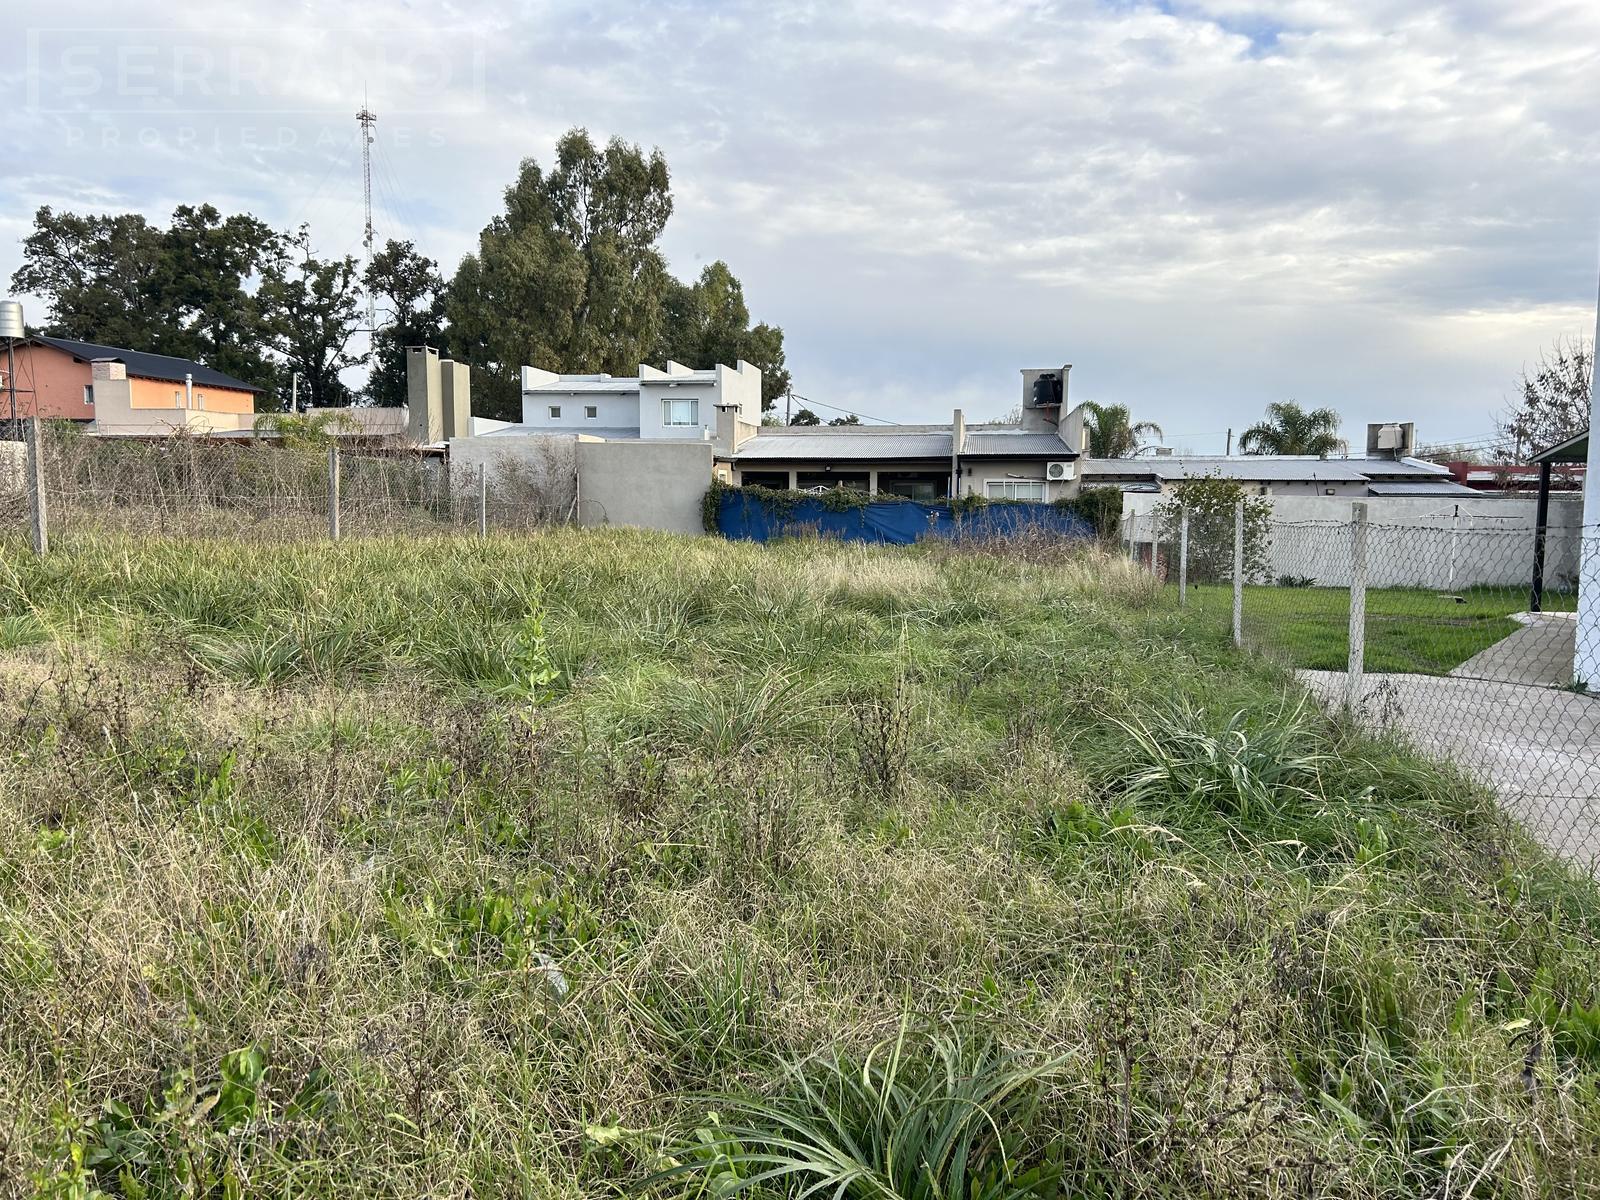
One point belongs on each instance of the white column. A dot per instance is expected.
(1355, 667)
(1586, 657)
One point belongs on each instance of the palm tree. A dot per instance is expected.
(1289, 429)
(1112, 431)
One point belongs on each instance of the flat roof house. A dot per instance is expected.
(1387, 469)
(675, 404)
(1033, 459)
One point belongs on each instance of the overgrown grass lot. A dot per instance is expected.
(1416, 630)
(585, 863)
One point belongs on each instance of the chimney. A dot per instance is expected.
(423, 395)
(455, 398)
(188, 391)
(727, 435)
(958, 443)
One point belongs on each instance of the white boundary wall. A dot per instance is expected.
(1417, 541)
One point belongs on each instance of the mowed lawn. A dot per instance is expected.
(1414, 630)
(592, 863)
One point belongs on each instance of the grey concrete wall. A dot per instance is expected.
(646, 484)
(1415, 541)
(535, 476)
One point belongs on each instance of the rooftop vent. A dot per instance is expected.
(1391, 439)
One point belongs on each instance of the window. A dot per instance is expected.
(555, 412)
(680, 412)
(1014, 489)
(88, 393)
(200, 401)
(177, 399)
(591, 411)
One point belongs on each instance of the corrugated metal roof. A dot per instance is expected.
(1422, 487)
(921, 442)
(1267, 468)
(150, 366)
(1006, 443)
(844, 444)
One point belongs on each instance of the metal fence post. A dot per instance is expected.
(1183, 556)
(1238, 573)
(41, 523)
(483, 501)
(1358, 605)
(333, 492)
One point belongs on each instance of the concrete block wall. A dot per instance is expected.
(643, 484)
(1415, 541)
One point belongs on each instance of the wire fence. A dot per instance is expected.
(201, 487)
(1463, 636)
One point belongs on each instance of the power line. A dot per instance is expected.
(847, 411)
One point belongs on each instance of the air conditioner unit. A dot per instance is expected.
(1058, 471)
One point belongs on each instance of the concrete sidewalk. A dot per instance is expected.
(1540, 653)
(1538, 747)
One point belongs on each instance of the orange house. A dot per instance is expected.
(55, 379)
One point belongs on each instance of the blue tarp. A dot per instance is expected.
(898, 522)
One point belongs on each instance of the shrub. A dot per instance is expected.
(1212, 502)
(924, 1119)
(1100, 506)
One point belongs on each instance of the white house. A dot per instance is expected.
(677, 404)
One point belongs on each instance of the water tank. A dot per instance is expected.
(1046, 390)
(1390, 437)
(11, 319)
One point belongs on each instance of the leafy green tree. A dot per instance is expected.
(848, 419)
(182, 290)
(1113, 433)
(1290, 429)
(804, 416)
(208, 261)
(410, 294)
(1212, 502)
(311, 309)
(570, 274)
(708, 322)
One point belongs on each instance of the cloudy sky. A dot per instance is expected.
(1378, 205)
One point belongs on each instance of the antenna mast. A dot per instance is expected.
(367, 119)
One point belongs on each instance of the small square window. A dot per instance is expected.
(591, 411)
(555, 411)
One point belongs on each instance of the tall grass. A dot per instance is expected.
(436, 867)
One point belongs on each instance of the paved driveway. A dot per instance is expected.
(1538, 747)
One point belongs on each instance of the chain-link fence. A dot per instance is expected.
(207, 487)
(1458, 633)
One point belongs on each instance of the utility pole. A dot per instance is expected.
(1228, 453)
(788, 405)
(294, 391)
(366, 118)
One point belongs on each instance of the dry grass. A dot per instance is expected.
(485, 934)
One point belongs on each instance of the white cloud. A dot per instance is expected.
(1207, 205)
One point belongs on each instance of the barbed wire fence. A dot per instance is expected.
(61, 482)
(1436, 629)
